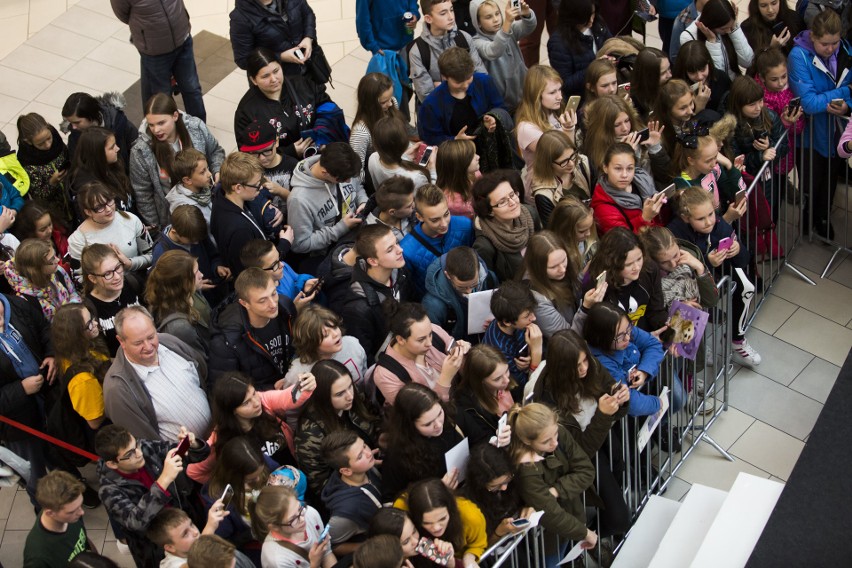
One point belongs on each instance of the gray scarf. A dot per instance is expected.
(643, 188)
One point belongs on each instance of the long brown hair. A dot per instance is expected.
(451, 163)
(370, 88)
(162, 103)
(171, 285)
(478, 364)
(560, 379)
(390, 139)
(563, 293)
(600, 126)
(72, 344)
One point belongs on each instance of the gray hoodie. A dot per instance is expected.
(502, 56)
(424, 79)
(315, 208)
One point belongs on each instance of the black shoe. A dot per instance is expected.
(664, 444)
(91, 499)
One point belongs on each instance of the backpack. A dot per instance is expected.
(426, 52)
(64, 423)
(374, 395)
(329, 126)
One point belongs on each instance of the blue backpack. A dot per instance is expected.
(329, 126)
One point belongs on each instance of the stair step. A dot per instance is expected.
(689, 527)
(645, 536)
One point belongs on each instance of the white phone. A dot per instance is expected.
(299, 55)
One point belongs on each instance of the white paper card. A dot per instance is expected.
(478, 311)
(573, 554)
(457, 457)
(535, 518)
(644, 435)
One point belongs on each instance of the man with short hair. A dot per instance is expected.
(155, 383)
(58, 534)
(254, 333)
(436, 233)
(394, 205)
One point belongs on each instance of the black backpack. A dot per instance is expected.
(426, 52)
(374, 395)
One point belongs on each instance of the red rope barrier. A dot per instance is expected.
(49, 438)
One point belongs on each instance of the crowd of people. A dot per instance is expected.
(277, 346)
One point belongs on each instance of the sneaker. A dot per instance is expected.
(90, 498)
(744, 354)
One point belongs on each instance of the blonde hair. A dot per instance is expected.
(527, 423)
(271, 505)
(550, 146)
(30, 260)
(530, 109)
(692, 197)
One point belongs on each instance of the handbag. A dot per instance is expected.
(317, 68)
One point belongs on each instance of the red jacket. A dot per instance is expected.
(608, 215)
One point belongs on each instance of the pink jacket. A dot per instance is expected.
(389, 384)
(275, 402)
(778, 101)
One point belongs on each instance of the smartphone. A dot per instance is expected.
(837, 102)
(760, 134)
(227, 495)
(778, 27)
(501, 424)
(670, 191)
(324, 534)
(794, 105)
(528, 398)
(573, 103)
(600, 279)
(741, 194)
(520, 522)
(427, 153)
(725, 244)
(428, 549)
(317, 285)
(645, 16)
(183, 447)
(695, 86)
(522, 352)
(299, 55)
(739, 161)
(644, 134)
(624, 87)
(630, 372)
(451, 346)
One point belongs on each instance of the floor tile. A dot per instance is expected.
(12, 549)
(677, 489)
(42, 12)
(220, 113)
(811, 256)
(210, 7)
(22, 516)
(773, 313)
(781, 362)
(51, 113)
(816, 380)
(231, 88)
(769, 449)
(10, 108)
(96, 519)
(99, 77)
(11, 132)
(115, 53)
(14, 33)
(729, 426)
(90, 24)
(775, 404)
(63, 42)
(58, 93)
(7, 497)
(828, 299)
(100, 6)
(224, 137)
(21, 84)
(336, 31)
(97, 536)
(33, 60)
(347, 99)
(817, 335)
(348, 71)
(361, 54)
(843, 273)
(707, 467)
(12, 8)
(328, 10)
(111, 551)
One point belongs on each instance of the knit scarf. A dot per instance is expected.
(58, 292)
(508, 239)
(29, 155)
(203, 197)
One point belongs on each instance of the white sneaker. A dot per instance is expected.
(744, 354)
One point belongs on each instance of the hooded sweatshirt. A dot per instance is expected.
(502, 56)
(316, 208)
(351, 508)
(424, 79)
(615, 208)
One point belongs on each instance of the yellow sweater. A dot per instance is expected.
(473, 525)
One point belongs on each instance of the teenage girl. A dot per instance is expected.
(457, 167)
(709, 85)
(651, 69)
(559, 170)
(574, 222)
(717, 27)
(771, 24)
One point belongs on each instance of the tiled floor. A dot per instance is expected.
(50, 48)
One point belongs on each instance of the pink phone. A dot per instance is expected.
(725, 243)
(739, 161)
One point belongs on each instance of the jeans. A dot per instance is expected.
(157, 71)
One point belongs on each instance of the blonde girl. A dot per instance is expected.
(559, 170)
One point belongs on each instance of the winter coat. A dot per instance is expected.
(505, 265)
(441, 299)
(112, 107)
(723, 183)
(777, 102)
(683, 20)
(11, 198)
(436, 112)
(59, 291)
(253, 26)
(551, 318)
(707, 243)
(379, 23)
(355, 504)
(642, 299)
(812, 79)
(609, 214)
(418, 257)
(475, 420)
(11, 166)
(741, 142)
(40, 166)
(234, 348)
(156, 27)
(572, 65)
(423, 80)
(145, 172)
(502, 56)
(196, 334)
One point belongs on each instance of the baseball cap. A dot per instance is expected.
(257, 136)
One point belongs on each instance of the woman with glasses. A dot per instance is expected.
(290, 531)
(288, 102)
(104, 289)
(173, 294)
(36, 275)
(121, 230)
(503, 225)
(559, 170)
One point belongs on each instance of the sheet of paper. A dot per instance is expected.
(535, 518)
(457, 458)
(573, 554)
(647, 429)
(478, 311)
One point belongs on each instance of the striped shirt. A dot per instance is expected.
(510, 346)
(175, 391)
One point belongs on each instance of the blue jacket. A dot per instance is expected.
(10, 198)
(379, 23)
(418, 257)
(644, 351)
(682, 20)
(441, 298)
(436, 112)
(204, 252)
(669, 9)
(571, 66)
(812, 80)
(706, 243)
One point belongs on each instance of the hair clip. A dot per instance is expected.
(687, 140)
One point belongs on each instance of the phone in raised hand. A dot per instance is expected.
(324, 534)
(573, 103)
(644, 134)
(227, 495)
(601, 279)
(725, 244)
(669, 191)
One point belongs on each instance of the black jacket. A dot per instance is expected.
(16, 404)
(294, 112)
(476, 422)
(232, 227)
(647, 309)
(233, 348)
(362, 312)
(254, 26)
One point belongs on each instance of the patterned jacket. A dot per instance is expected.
(60, 291)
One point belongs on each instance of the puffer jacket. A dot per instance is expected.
(156, 27)
(145, 172)
(254, 26)
(571, 65)
(418, 257)
(743, 138)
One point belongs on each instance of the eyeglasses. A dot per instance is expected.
(91, 324)
(506, 200)
(257, 186)
(502, 486)
(103, 207)
(265, 153)
(624, 334)
(274, 266)
(572, 159)
(109, 274)
(129, 454)
(295, 518)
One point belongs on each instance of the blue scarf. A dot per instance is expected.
(13, 346)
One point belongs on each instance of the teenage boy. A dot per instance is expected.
(449, 280)
(436, 233)
(353, 492)
(260, 139)
(379, 274)
(212, 551)
(466, 98)
(188, 231)
(233, 222)
(439, 33)
(58, 534)
(513, 330)
(394, 206)
(324, 199)
(253, 334)
(139, 478)
(192, 182)
(262, 254)
(175, 533)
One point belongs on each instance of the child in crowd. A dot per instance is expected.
(574, 223)
(394, 206)
(46, 160)
(578, 37)
(394, 157)
(375, 101)
(260, 139)
(58, 535)
(457, 167)
(193, 183)
(258, 253)
(758, 128)
(513, 330)
(499, 28)
(709, 85)
(651, 69)
(559, 170)
(175, 533)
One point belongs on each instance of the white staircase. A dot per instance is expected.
(711, 528)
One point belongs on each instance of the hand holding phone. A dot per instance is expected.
(183, 447)
(227, 495)
(324, 534)
(523, 351)
(725, 244)
(573, 103)
(520, 523)
(317, 285)
(644, 134)
(600, 279)
(739, 161)
(741, 194)
(669, 191)
(299, 55)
